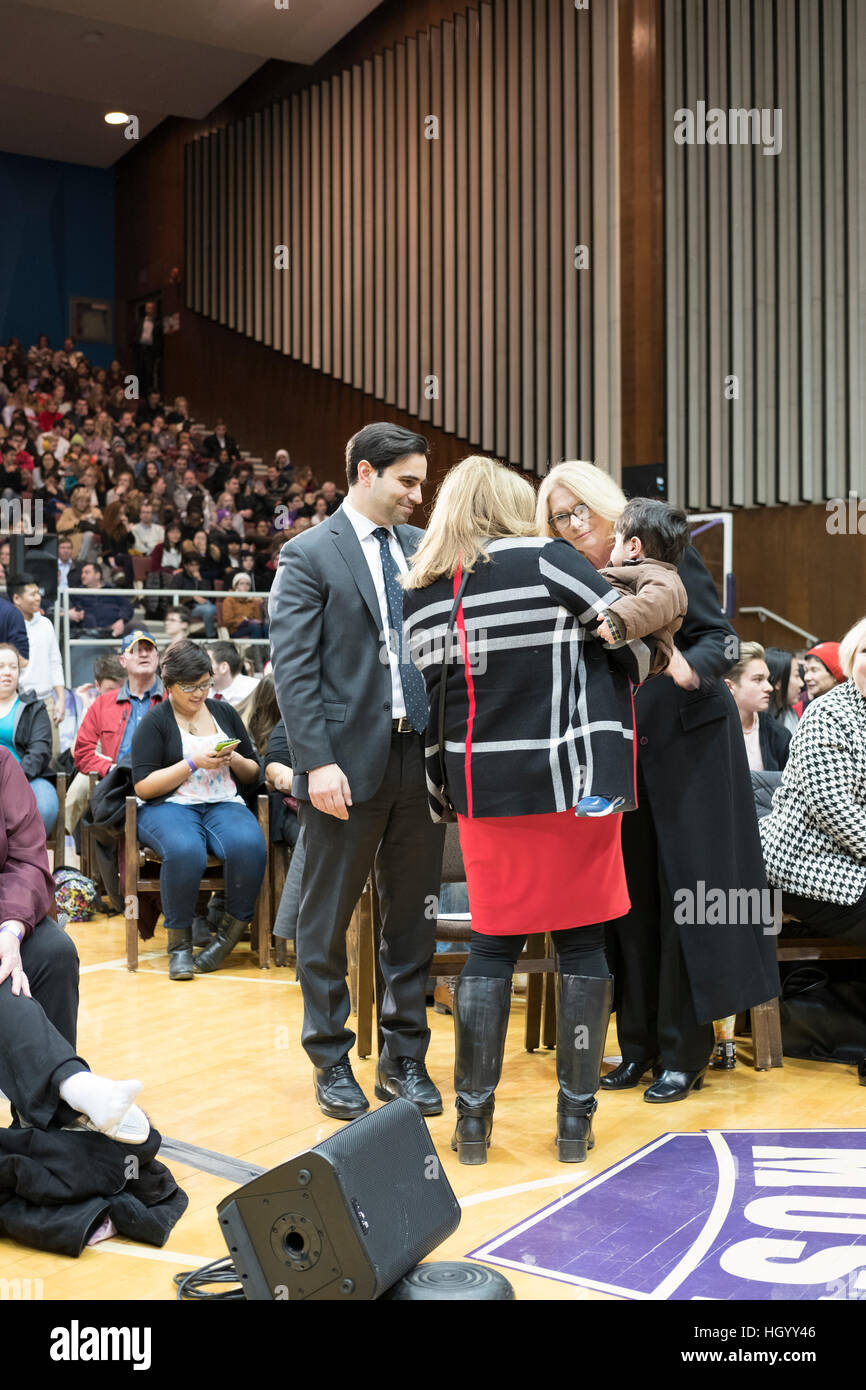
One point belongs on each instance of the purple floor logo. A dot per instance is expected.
(723, 1214)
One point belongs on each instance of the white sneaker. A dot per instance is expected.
(133, 1128)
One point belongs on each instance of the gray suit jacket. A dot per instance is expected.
(330, 659)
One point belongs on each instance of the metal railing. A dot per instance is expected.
(177, 597)
(764, 613)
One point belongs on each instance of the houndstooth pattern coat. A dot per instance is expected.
(814, 839)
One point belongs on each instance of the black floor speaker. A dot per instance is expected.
(345, 1220)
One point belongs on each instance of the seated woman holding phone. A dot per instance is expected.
(191, 758)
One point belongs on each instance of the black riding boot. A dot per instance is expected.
(180, 966)
(228, 934)
(583, 1005)
(481, 1007)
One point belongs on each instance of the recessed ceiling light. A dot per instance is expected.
(116, 118)
(92, 36)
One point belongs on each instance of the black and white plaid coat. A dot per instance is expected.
(543, 714)
(814, 838)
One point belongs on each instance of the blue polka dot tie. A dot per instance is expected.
(414, 690)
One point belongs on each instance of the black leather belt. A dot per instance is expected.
(402, 726)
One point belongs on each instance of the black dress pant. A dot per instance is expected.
(37, 1035)
(655, 1013)
(392, 830)
(828, 919)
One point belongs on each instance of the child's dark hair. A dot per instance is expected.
(662, 530)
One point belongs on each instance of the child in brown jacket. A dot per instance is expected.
(651, 539)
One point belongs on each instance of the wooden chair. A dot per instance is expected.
(142, 565)
(766, 1019)
(365, 984)
(88, 862)
(284, 951)
(56, 841)
(142, 876)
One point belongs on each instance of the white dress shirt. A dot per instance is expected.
(364, 528)
(44, 670)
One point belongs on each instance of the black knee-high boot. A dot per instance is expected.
(583, 1005)
(481, 1008)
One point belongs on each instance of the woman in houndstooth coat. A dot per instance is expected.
(814, 838)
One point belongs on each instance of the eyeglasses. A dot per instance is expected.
(195, 689)
(562, 520)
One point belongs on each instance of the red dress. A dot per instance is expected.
(542, 873)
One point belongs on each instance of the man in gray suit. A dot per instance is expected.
(355, 712)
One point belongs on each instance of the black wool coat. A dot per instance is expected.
(693, 759)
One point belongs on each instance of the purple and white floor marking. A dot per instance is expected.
(721, 1214)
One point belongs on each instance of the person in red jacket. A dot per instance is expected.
(107, 727)
(41, 1074)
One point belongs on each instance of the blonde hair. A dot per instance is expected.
(589, 483)
(749, 651)
(478, 500)
(848, 646)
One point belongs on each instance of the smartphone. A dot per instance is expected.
(226, 743)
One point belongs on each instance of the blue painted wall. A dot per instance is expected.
(56, 240)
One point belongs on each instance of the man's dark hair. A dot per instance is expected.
(178, 612)
(93, 565)
(227, 652)
(381, 445)
(184, 663)
(108, 668)
(662, 530)
(17, 583)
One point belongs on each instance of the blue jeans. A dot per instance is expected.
(46, 802)
(183, 836)
(205, 613)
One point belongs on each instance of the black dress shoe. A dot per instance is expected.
(406, 1078)
(628, 1074)
(674, 1085)
(338, 1093)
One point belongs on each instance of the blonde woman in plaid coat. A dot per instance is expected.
(538, 713)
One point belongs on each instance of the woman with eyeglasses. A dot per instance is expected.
(190, 805)
(678, 965)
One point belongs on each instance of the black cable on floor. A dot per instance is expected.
(189, 1284)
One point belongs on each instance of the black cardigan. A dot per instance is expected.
(32, 737)
(157, 743)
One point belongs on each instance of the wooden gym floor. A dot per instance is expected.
(223, 1069)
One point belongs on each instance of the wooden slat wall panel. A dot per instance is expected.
(327, 264)
(514, 237)
(365, 382)
(589, 345)
(436, 274)
(358, 213)
(769, 285)
(350, 194)
(337, 249)
(499, 220)
(315, 273)
(475, 346)
(401, 184)
(265, 242)
(421, 269)
(855, 50)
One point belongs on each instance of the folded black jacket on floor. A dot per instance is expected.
(58, 1186)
